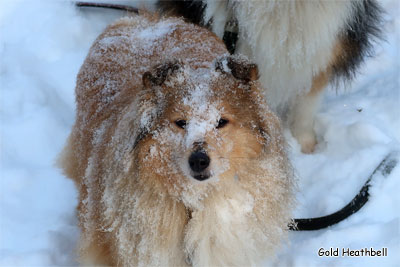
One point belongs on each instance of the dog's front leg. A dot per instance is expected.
(302, 114)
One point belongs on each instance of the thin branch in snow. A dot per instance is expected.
(106, 5)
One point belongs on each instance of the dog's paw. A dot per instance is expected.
(307, 141)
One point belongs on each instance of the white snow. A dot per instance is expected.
(42, 46)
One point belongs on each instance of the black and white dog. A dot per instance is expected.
(299, 45)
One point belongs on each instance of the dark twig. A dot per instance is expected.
(110, 6)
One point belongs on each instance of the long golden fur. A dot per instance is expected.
(139, 203)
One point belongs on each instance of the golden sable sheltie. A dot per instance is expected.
(299, 46)
(177, 158)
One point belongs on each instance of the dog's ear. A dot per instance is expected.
(240, 68)
(159, 73)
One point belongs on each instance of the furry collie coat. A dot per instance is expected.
(177, 158)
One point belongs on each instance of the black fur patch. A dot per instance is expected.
(358, 37)
(230, 39)
(192, 11)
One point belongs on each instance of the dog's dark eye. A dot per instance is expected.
(181, 123)
(222, 123)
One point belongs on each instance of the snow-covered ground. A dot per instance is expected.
(43, 44)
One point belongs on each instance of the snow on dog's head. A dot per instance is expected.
(174, 150)
(209, 123)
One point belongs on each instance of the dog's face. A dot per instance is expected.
(208, 125)
(209, 133)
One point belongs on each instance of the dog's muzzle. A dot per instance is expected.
(199, 162)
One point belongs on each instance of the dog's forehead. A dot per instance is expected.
(201, 105)
(198, 89)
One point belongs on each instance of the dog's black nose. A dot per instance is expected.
(199, 161)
